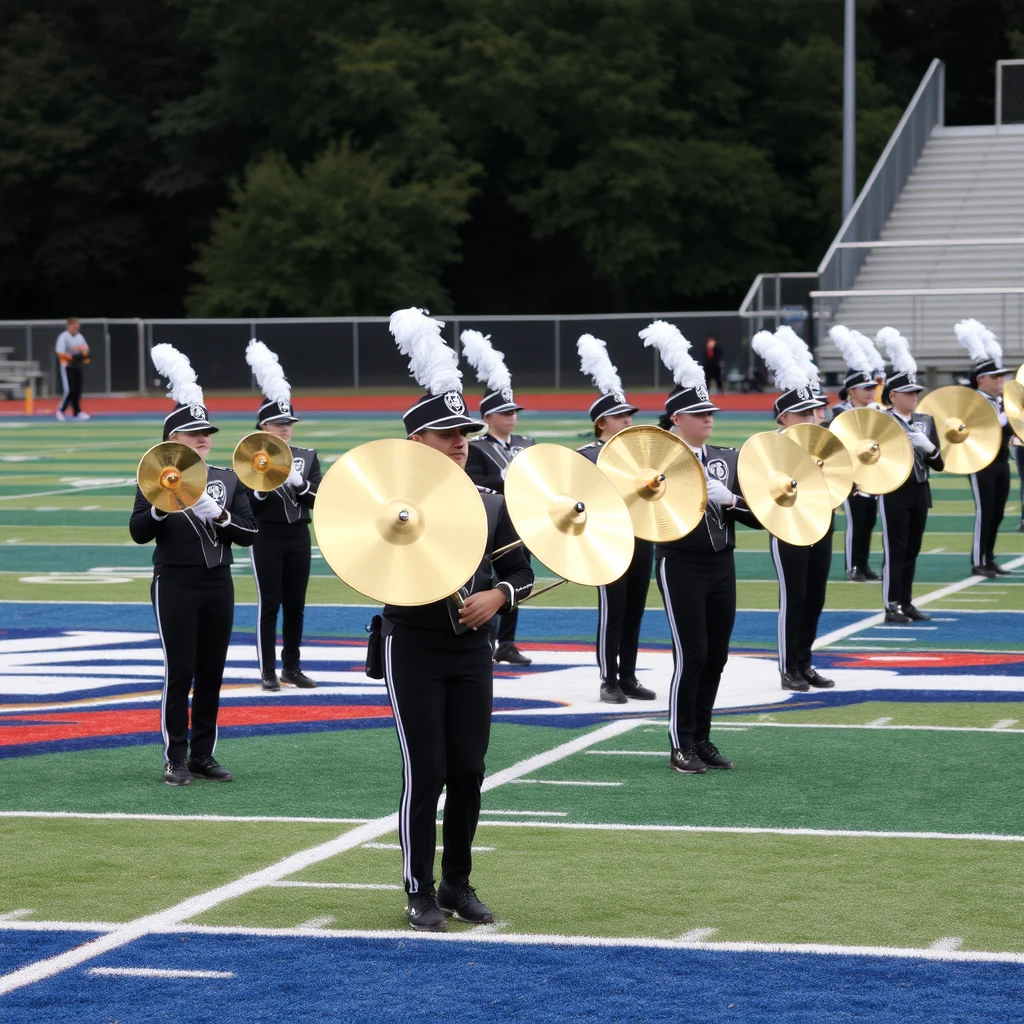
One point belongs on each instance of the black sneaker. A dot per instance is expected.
(897, 614)
(423, 913)
(687, 761)
(207, 768)
(914, 615)
(712, 756)
(632, 689)
(611, 694)
(176, 773)
(459, 900)
(791, 681)
(999, 570)
(816, 679)
(984, 570)
(870, 575)
(270, 683)
(511, 654)
(298, 678)
(856, 576)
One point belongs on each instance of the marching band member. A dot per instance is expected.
(858, 392)
(490, 455)
(438, 660)
(697, 573)
(904, 511)
(621, 603)
(193, 596)
(281, 553)
(991, 485)
(802, 569)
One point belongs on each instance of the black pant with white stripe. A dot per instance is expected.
(1019, 456)
(861, 516)
(72, 380)
(440, 689)
(903, 525)
(803, 578)
(195, 609)
(991, 488)
(620, 609)
(280, 557)
(700, 601)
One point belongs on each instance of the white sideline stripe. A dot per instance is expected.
(319, 922)
(935, 595)
(66, 490)
(117, 816)
(438, 849)
(14, 915)
(642, 753)
(844, 725)
(697, 935)
(290, 865)
(156, 972)
(947, 944)
(556, 782)
(528, 814)
(1005, 723)
(288, 884)
(879, 722)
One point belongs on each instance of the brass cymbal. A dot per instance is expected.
(1020, 374)
(968, 428)
(784, 488)
(1013, 406)
(171, 476)
(262, 461)
(400, 522)
(569, 514)
(879, 449)
(660, 480)
(831, 456)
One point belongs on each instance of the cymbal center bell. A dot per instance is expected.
(869, 452)
(956, 432)
(568, 514)
(783, 489)
(650, 485)
(400, 522)
(261, 462)
(170, 478)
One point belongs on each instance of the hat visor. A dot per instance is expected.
(993, 373)
(620, 410)
(861, 387)
(196, 428)
(463, 423)
(283, 418)
(908, 387)
(696, 408)
(811, 403)
(507, 407)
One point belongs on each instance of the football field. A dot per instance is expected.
(865, 860)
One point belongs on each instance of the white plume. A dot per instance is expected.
(488, 362)
(594, 362)
(181, 378)
(268, 372)
(675, 353)
(899, 350)
(979, 341)
(874, 357)
(432, 362)
(801, 353)
(778, 357)
(994, 349)
(850, 348)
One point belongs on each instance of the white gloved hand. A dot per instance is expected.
(206, 509)
(294, 478)
(921, 443)
(1002, 419)
(719, 493)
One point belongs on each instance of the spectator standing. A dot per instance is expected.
(72, 353)
(713, 362)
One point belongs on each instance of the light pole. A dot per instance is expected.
(849, 104)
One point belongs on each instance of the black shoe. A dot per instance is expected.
(857, 576)
(687, 761)
(870, 575)
(816, 679)
(791, 681)
(270, 682)
(176, 773)
(207, 768)
(423, 912)
(914, 615)
(984, 570)
(511, 654)
(611, 694)
(712, 756)
(999, 570)
(896, 614)
(298, 678)
(632, 689)
(1020, 529)
(459, 900)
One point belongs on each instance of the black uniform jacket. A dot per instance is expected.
(511, 571)
(489, 459)
(289, 504)
(182, 539)
(1003, 454)
(914, 492)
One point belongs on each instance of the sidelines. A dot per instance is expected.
(203, 902)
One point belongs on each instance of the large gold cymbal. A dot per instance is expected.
(660, 480)
(262, 461)
(831, 456)
(784, 488)
(569, 514)
(879, 449)
(1020, 374)
(171, 476)
(968, 428)
(1013, 406)
(400, 522)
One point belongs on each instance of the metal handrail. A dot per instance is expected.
(927, 243)
(873, 293)
(755, 288)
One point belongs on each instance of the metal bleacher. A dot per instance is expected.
(17, 374)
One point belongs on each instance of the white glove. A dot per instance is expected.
(294, 478)
(720, 494)
(1002, 419)
(921, 443)
(206, 509)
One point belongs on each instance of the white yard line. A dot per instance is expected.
(156, 972)
(66, 490)
(555, 782)
(117, 816)
(1005, 723)
(289, 884)
(201, 903)
(829, 725)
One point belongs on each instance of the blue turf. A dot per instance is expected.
(18, 949)
(384, 981)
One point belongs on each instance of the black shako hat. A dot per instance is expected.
(611, 405)
(987, 368)
(188, 419)
(276, 412)
(798, 400)
(689, 400)
(858, 379)
(440, 412)
(499, 401)
(905, 381)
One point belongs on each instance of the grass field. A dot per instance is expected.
(864, 861)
